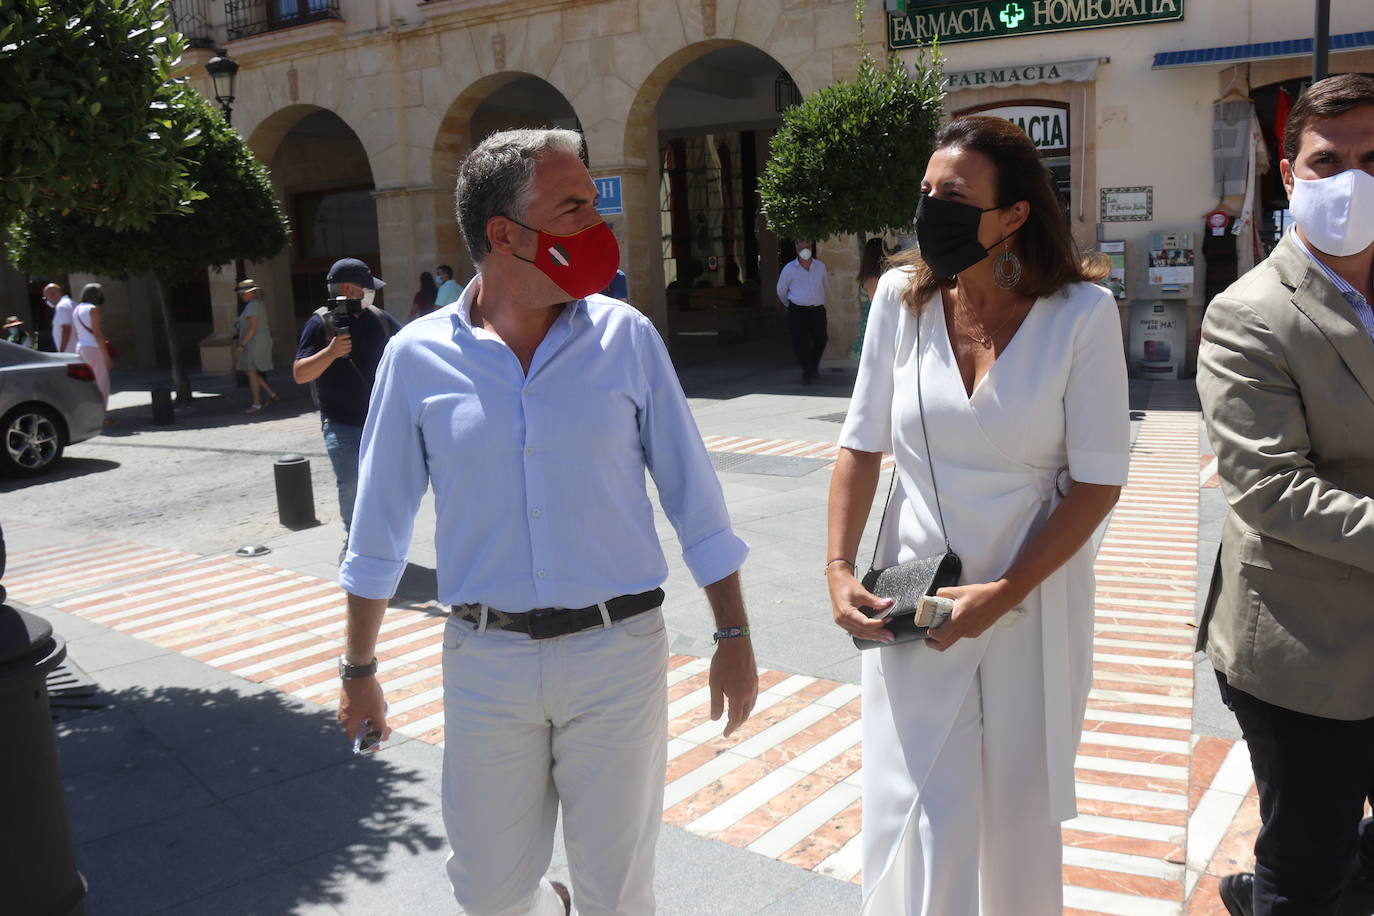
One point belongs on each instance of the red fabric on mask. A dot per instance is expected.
(580, 264)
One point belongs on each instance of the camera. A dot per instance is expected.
(342, 312)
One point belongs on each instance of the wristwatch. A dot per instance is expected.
(348, 671)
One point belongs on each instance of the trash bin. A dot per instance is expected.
(37, 864)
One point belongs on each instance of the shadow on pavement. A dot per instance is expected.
(66, 468)
(419, 590)
(236, 800)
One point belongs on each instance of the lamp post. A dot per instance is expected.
(1321, 39)
(224, 71)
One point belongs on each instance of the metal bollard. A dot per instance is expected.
(295, 495)
(162, 407)
(38, 866)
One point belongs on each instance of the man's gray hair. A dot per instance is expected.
(497, 179)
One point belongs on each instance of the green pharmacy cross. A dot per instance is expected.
(1011, 15)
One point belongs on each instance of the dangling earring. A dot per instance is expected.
(1006, 270)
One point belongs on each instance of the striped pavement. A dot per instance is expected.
(787, 785)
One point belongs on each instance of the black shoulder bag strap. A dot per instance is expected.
(930, 463)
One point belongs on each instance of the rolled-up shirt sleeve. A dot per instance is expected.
(393, 475)
(688, 488)
(1096, 402)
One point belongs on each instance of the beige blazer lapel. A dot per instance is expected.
(1317, 298)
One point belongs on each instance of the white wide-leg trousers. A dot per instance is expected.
(981, 841)
(578, 720)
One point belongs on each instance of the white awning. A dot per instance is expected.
(1063, 71)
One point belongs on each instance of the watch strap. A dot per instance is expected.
(349, 671)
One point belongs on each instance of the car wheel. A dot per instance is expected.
(32, 441)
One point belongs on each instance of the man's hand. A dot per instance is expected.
(360, 698)
(734, 676)
(340, 346)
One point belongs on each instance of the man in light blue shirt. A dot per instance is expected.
(534, 409)
(449, 288)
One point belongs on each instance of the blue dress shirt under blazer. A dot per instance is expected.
(539, 483)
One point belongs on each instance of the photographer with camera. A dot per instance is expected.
(339, 350)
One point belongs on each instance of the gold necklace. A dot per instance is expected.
(986, 338)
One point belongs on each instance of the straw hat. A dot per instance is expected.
(13, 322)
(247, 286)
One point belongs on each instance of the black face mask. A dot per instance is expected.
(947, 232)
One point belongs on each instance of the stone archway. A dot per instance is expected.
(701, 122)
(501, 101)
(323, 176)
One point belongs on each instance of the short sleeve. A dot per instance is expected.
(1096, 403)
(312, 338)
(868, 425)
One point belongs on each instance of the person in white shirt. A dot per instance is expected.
(89, 337)
(801, 287)
(63, 340)
(449, 288)
(534, 408)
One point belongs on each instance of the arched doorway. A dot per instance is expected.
(322, 173)
(715, 108)
(502, 101)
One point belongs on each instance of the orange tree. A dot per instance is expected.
(85, 121)
(237, 216)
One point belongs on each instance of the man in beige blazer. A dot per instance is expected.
(1286, 375)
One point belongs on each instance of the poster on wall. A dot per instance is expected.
(1116, 278)
(1171, 261)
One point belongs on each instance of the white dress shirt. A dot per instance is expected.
(800, 286)
(62, 318)
(539, 478)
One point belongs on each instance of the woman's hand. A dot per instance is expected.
(847, 595)
(976, 607)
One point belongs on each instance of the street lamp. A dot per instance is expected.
(223, 71)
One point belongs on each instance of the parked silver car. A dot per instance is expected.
(47, 402)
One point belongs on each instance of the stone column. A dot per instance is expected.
(417, 231)
(637, 230)
(841, 258)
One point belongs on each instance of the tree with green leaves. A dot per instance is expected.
(849, 158)
(85, 120)
(237, 217)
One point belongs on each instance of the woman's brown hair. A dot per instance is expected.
(1049, 256)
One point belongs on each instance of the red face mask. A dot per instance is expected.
(579, 264)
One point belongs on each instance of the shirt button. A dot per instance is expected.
(529, 451)
(535, 513)
(525, 391)
(541, 574)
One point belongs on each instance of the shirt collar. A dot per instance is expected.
(1350, 293)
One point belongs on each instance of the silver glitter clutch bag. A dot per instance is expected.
(906, 584)
(910, 618)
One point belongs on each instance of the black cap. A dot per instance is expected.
(351, 270)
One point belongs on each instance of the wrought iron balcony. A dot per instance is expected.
(192, 20)
(253, 17)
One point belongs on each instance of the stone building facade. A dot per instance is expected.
(363, 108)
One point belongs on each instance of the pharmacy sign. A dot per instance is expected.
(913, 22)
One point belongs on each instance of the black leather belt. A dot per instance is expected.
(547, 622)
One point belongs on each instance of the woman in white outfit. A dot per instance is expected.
(969, 737)
(91, 345)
